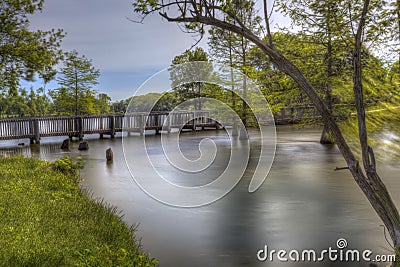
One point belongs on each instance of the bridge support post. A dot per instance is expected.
(70, 128)
(168, 123)
(156, 123)
(101, 126)
(128, 125)
(142, 124)
(194, 121)
(31, 132)
(235, 131)
(36, 132)
(79, 122)
(112, 125)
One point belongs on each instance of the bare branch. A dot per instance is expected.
(372, 159)
(137, 21)
(267, 24)
(341, 168)
(351, 19)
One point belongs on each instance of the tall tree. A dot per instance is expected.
(184, 91)
(361, 17)
(222, 48)
(278, 88)
(103, 102)
(78, 76)
(120, 106)
(229, 48)
(17, 103)
(318, 20)
(43, 102)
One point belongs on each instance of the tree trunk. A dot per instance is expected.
(76, 93)
(244, 64)
(398, 29)
(326, 138)
(232, 78)
(199, 104)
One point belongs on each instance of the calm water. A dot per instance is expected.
(303, 204)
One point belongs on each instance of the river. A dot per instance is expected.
(303, 204)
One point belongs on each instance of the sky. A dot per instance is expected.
(126, 53)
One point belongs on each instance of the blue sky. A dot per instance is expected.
(126, 53)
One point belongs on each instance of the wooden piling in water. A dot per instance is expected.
(109, 154)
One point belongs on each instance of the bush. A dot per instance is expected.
(66, 166)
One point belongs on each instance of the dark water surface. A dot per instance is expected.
(303, 204)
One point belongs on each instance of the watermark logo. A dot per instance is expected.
(339, 253)
(182, 91)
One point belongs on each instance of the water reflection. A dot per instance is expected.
(303, 204)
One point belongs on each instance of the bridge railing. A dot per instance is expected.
(16, 128)
(53, 126)
(76, 126)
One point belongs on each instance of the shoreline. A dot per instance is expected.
(47, 219)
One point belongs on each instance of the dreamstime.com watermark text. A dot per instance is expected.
(333, 254)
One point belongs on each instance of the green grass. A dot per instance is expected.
(47, 220)
(397, 262)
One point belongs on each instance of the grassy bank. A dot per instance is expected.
(46, 220)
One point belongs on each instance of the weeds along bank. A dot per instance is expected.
(47, 220)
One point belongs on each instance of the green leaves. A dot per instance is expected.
(181, 90)
(24, 53)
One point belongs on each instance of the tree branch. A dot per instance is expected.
(267, 24)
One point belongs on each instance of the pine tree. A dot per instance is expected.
(78, 76)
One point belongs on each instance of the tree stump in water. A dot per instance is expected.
(83, 146)
(235, 130)
(326, 138)
(243, 134)
(109, 154)
(65, 144)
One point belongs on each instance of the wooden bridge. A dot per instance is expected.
(77, 126)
